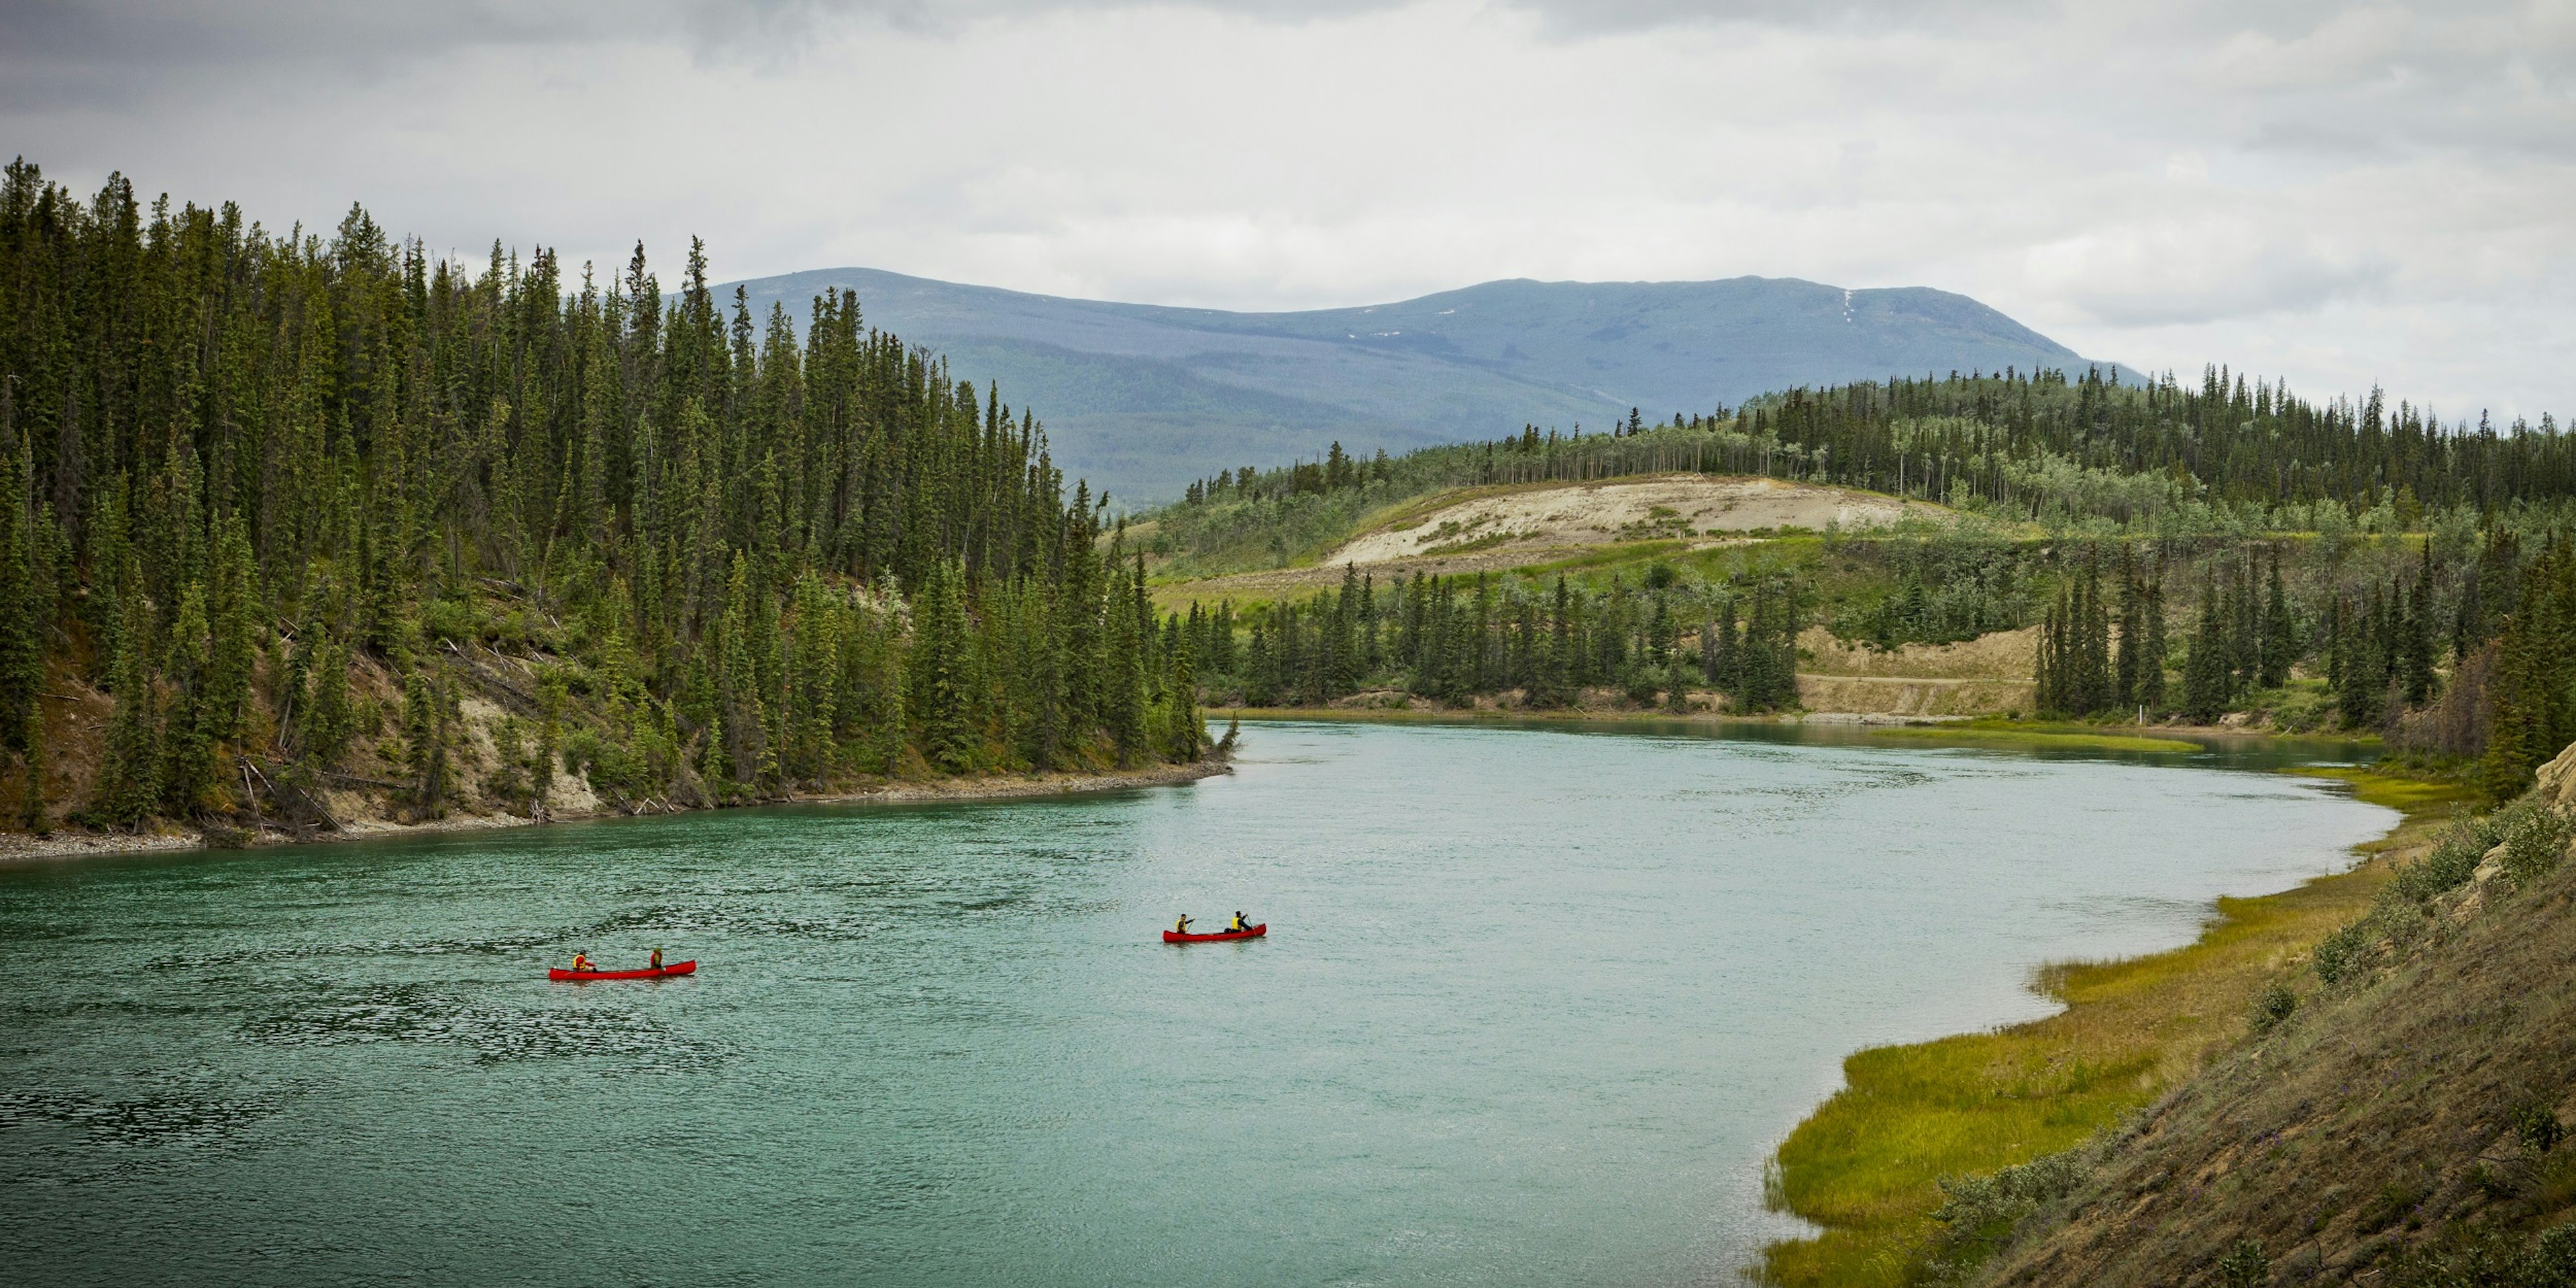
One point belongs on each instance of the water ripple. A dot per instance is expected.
(495, 1034)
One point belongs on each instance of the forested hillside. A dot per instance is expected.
(2219, 550)
(329, 510)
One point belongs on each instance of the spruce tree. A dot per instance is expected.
(941, 687)
(2335, 642)
(188, 781)
(2205, 672)
(234, 630)
(2533, 686)
(2280, 638)
(2361, 697)
(428, 726)
(27, 582)
(1188, 737)
(325, 718)
(2128, 663)
(551, 697)
(2151, 661)
(32, 814)
(1726, 674)
(2049, 676)
(2415, 654)
(2091, 677)
(129, 778)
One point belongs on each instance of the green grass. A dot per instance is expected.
(1427, 711)
(1471, 545)
(2088, 740)
(1606, 558)
(2396, 791)
(1866, 1165)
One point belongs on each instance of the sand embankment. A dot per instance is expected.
(1988, 675)
(1525, 521)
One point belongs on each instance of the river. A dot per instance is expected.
(1534, 1008)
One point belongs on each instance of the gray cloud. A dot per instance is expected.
(2201, 270)
(147, 33)
(2351, 192)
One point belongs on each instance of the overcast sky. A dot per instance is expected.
(2342, 194)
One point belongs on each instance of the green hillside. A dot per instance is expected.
(2224, 551)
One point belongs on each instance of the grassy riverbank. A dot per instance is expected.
(2062, 737)
(2030, 735)
(1431, 713)
(1866, 1165)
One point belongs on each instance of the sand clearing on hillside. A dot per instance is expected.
(1983, 676)
(1663, 507)
(2008, 656)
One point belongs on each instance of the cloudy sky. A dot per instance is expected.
(2342, 194)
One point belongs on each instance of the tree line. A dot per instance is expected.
(2205, 543)
(290, 497)
(1456, 638)
(2461, 650)
(2456, 645)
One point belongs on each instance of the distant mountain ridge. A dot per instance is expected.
(1142, 398)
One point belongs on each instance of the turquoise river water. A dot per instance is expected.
(1534, 1008)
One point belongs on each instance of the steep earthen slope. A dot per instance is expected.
(2407, 1106)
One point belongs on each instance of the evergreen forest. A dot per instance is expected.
(297, 518)
(2222, 550)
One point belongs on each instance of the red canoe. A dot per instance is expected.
(1176, 937)
(585, 976)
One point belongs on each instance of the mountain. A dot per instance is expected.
(1142, 398)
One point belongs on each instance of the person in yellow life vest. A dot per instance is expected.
(581, 961)
(657, 959)
(1181, 927)
(1238, 921)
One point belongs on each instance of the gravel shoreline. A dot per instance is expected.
(17, 848)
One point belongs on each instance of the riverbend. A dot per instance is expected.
(1534, 1008)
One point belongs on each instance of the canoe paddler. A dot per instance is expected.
(581, 961)
(657, 959)
(1238, 922)
(1181, 927)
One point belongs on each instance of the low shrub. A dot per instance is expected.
(2534, 838)
(2274, 1006)
(1641, 686)
(2244, 1266)
(2536, 1125)
(2494, 1182)
(611, 767)
(2395, 1202)
(450, 619)
(2493, 1259)
(2453, 861)
(2553, 1184)
(1978, 1213)
(2336, 954)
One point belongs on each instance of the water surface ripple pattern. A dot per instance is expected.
(1533, 1009)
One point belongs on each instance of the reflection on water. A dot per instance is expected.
(1534, 1006)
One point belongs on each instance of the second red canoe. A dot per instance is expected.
(559, 974)
(1176, 937)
